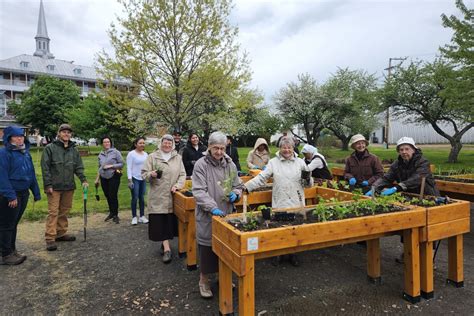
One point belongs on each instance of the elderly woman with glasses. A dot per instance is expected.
(208, 175)
(289, 174)
(165, 171)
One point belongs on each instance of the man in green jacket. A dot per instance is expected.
(59, 163)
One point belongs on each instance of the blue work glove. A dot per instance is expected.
(369, 193)
(352, 181)
(217, 212)
(264, 167)
(440, 200)
(389, 191)
(365, 183)
(232, 197)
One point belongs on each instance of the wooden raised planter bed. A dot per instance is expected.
(184, 210)
(237, 250)
(466, 190)
(449, 221)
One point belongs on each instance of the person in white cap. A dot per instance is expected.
(362, 168)
(316, 162)
(407, 171)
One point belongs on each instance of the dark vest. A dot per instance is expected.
(320, 173)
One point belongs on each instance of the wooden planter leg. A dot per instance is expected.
(191, 244)
(412, 265)
(247, 288)
(455, 261)
(181, 238)
(225, 289)
(426, 264)
(373, 261)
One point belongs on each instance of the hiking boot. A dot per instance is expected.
(51, 246)
(167, 257)
(294, 260)
(143, 220)
(12, 259)
(16, 253)
(116, 219)
(110, 216)
(66, 238)
(205, 290)
(134, 221)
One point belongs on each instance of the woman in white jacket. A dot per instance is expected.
(285, 168)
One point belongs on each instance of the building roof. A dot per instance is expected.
(37, 65)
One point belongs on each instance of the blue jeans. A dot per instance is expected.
(138, 194)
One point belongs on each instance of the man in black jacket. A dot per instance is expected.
(232, 152)
(407, 171)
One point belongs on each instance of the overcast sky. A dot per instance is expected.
(282, 38)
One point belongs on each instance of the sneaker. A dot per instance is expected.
(167, 257)
(143, 220)
(66, 238)
(51, 246)
(134, 221)
(110, 216)
(12, 260)
(116, 219)
(205, 290)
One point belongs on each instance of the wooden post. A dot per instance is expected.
(191, 260)
(455, 261)
(244, 208)
(247, 288)
(426, 263)
(181, 238)
(225, 289)
(412, 265)
(422, 189)
(373, 261)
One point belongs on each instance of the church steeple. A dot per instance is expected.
(42, 39)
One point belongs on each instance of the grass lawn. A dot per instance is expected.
(435, 154)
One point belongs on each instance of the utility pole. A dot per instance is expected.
(387, 114)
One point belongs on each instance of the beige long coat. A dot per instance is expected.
(160, 198)
(256, 159)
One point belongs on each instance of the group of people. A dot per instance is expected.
(166, 170)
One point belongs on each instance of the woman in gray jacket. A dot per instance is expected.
(209, 174)
(108, 176)
(165, 171)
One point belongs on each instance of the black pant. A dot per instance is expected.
(9, 219)
(110, 188)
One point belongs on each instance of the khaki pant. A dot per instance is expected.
(59, 204)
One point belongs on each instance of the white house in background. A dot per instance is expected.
(421, 133)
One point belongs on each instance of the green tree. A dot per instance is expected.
(459, 86)
(180, 54)
(46, 103)
(97, 116)
(415, 93)
(351, 96)
(303, 103)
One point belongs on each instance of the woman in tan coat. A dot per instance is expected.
(165, 171)
(259, 156)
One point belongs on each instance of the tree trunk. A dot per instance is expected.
(345, 143)
(456, 146)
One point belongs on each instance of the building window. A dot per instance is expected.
(44, 45)
(24, 64)
(50, 67)
(77, 71)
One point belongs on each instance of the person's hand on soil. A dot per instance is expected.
(369, 193)
(389, 191)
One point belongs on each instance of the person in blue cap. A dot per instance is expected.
(17, 177)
